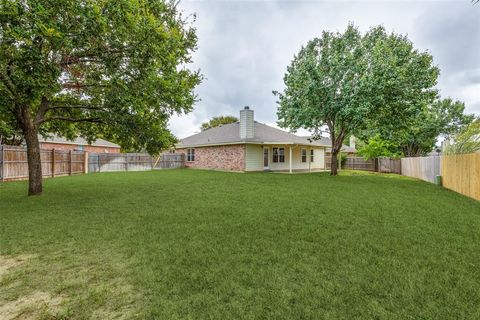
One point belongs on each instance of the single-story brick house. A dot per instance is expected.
(79, 144)
(251, 146)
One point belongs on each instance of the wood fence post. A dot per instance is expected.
(85, 162)
(53, 163)
(98, 161)
(70, 163)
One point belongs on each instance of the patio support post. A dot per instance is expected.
(290, 159)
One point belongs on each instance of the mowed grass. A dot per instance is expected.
(191, 244)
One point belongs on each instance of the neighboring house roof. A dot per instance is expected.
(328, 142)
(78, 141)
(348, 149)
(345, 148)
(229, 134)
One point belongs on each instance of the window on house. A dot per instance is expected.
(190, 154)
(311, 155)
(278, 154)
(281, 154)
(304, 155)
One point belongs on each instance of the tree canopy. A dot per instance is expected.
(116, 68)
(216, 121)
(416, 133)
(465, 141)
(377, 147)
(342, 81)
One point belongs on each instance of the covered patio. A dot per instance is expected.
(290, 157)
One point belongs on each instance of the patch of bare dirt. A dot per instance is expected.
(10, 263)
(30, 306)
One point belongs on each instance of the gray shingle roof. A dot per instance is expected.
(78, 141)
(230, 134)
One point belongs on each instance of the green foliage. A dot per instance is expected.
(416, 133)
(216, 121)
(343, 159)
(467, 140)
(345, 80)
(242, 246)
(115, 68)
(377, 147)
(10, 134)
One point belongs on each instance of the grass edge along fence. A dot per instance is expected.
(459, 173)
(14, 165)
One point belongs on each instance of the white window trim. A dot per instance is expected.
(278, 154)
(301, 155)
(190, 154)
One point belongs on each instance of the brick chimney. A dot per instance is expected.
(247, 126)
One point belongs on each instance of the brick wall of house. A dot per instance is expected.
(231, 158)
(93, 149)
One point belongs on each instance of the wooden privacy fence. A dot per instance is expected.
(461, 173)
(14, 165)
(424, 168)
(353, 163)
(359, 163)
(170, 161)
(108, 162)
(389, 165)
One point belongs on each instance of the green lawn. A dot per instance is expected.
(191, 244)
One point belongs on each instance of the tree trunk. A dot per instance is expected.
(33, 158)
(334, 165)
(337, 142)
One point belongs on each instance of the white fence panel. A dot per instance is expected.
(424, 168)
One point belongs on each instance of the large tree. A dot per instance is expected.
(341, 80)
(416, 133)
(115, 68)
(217, 121)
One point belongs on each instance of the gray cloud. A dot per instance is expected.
(245, 47)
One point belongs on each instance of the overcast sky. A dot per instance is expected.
(244, 47)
